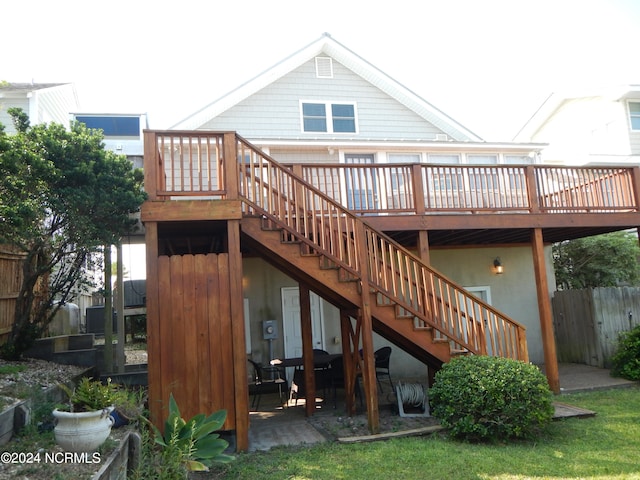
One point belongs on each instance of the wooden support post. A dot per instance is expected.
(151, 166)
(153, 326)
(349, 346)
(238, 337)
(307, 350)
(368, 360)
(544, 308)
(121, 334)
(423, 246)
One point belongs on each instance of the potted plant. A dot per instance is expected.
(128, 406)
(85, 422)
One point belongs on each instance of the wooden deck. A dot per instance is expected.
(324, 226)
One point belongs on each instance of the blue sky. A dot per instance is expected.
(489, 64)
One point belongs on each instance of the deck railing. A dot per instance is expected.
(329, 228)
(190, 164)
(419, 188)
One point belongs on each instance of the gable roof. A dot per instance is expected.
(556, 100)
(26, 87)
(328, 46)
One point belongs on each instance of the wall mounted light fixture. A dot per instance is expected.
(497, 266)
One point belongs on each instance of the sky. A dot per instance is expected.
(489, 64)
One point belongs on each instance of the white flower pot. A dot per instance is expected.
(82, 431)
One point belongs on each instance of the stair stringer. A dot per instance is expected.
(344, 295)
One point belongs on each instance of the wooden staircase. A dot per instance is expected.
(322, 244)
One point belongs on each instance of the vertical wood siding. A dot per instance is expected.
(195, 351)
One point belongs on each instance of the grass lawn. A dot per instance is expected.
(604, 447)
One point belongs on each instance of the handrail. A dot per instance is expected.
(273, 191)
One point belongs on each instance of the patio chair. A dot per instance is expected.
(382, 357)
(265, 380)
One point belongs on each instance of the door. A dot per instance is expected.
(361, 183)
(291, 323)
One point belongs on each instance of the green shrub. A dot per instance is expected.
(626, 360)
(185, 446)
(490, 398)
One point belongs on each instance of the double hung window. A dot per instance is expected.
(328, 117)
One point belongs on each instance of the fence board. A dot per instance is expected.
(588, 322)
(196, 362)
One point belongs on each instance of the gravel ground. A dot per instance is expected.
(36, 456)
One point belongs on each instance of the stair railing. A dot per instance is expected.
(393, 274)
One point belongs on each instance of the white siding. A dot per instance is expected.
(274, 112)
(588, 130)
(5, 105)
(55, 104)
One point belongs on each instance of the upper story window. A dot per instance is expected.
(482, 159)
(634, 115)
(328, 117)
(112, 126)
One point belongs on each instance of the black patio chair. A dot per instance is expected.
(382, 357)
(265, 380)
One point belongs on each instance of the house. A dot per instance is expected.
(592, 127)
(329, 202)
(122, 132)
(43, 102)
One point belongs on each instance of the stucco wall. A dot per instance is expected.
(513, 292)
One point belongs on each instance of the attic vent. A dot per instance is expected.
(324, 67)
(442, 137)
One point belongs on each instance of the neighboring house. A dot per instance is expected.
(122, 132)
(43, 102)
(601, 126)
(123, 136)
(403, 221)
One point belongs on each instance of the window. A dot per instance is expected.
(443, 159)
(112, 126)
(328, 117)
(634, 115)
(518, 159)
(482, 159)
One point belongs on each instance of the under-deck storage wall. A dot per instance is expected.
(195, 353)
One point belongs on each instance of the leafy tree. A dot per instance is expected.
(62, 197)
(600, 261)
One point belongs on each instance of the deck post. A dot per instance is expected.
(544, 308)
(368, 361)
(532, 189)
(153, 326)
(349, 349)
(307, 350)
(238, 337)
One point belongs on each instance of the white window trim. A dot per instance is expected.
(630, 115)
(329, 117)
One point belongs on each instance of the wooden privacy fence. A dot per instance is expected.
(10, 280)
(10, 283)
(588, 322)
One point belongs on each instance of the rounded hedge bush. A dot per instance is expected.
(626, 360)
(489, 398)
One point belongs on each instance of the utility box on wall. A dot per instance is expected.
(269, 330)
